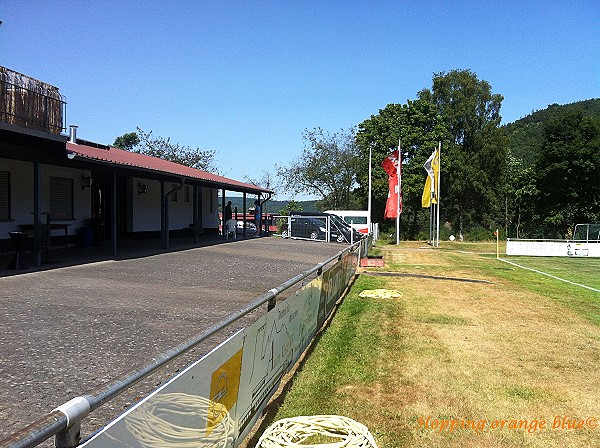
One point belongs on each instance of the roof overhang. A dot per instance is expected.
(110, 159)
(18, 136)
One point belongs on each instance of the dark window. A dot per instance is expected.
(4, 195)
(356, 219)
(61, 197)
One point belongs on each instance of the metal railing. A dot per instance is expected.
(589, 233)
(64, 422)
(27, 102)
(315, 227)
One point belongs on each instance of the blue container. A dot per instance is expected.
(86, 235)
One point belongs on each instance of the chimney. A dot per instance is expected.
(73, 133)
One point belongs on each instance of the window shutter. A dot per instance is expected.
(4, 195)
(61, 197)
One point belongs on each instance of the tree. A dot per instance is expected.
(128, 141)
(568, 172)
(473, 162)
(145, 143)
(266, 180)
(327, 168)
(419, 127)
(533, 152)
(291, 207)
(520, 196)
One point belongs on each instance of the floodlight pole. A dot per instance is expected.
(370, 184)
(398, 179)
(439, 175)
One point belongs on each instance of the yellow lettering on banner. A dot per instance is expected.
(224, 387)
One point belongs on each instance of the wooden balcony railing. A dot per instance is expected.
(27, 102)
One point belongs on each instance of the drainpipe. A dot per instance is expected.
(165, 242)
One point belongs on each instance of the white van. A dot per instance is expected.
(359, 219)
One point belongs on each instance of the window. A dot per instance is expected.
(61, 197)
(4, 195)
(356, 219)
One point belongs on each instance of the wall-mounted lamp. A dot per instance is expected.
(142, 188)
(86, 182)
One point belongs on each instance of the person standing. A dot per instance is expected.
(257, 217)
(227, 214)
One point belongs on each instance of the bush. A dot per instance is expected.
(478, 233)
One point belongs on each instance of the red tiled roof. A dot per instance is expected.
(132, 159)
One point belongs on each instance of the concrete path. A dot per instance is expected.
(68, 330)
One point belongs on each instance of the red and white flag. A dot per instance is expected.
(392, 165)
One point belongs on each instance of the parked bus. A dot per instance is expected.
(359, 219)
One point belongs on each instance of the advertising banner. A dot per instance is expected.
(216, 401)
(552, 248)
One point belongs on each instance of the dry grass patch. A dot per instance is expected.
(487, 357)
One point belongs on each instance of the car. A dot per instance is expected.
(250, 228)
(359, 219)
(313, 225)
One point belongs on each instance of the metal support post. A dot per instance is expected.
(195, 213)
(75, 410)
(113, 220)
(223, 231)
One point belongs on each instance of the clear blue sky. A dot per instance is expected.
(245, 78)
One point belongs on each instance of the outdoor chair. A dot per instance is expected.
(230, 228)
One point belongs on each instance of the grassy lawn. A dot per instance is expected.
(510, 363)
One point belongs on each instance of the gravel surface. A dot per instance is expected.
(69, 330)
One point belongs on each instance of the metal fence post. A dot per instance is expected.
(273, 300)
(70, 437)
(75, 410)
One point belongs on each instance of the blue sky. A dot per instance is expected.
(245, 78)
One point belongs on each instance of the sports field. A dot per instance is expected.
(475, 353)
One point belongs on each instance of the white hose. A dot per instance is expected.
(208, 423)
(380, 294)
(291, 432)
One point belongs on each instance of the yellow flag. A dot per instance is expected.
(435, 166)
(426, 198)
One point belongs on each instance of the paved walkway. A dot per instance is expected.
(67, 330)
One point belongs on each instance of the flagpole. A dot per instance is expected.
(438, 190)
(431, 229)
(398, 176)
(370, 186)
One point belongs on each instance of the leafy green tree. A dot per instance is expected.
(128, 141)
(568, 172)
(418, 126)
(326, 168)
(291, 207)
(521, 196)
(145, 143)
(473, 161)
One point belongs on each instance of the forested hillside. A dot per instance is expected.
(553, 170)
(525, 135)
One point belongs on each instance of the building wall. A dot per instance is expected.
(210, 208)
(146, 207)
(21, 192)
(143, 209)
